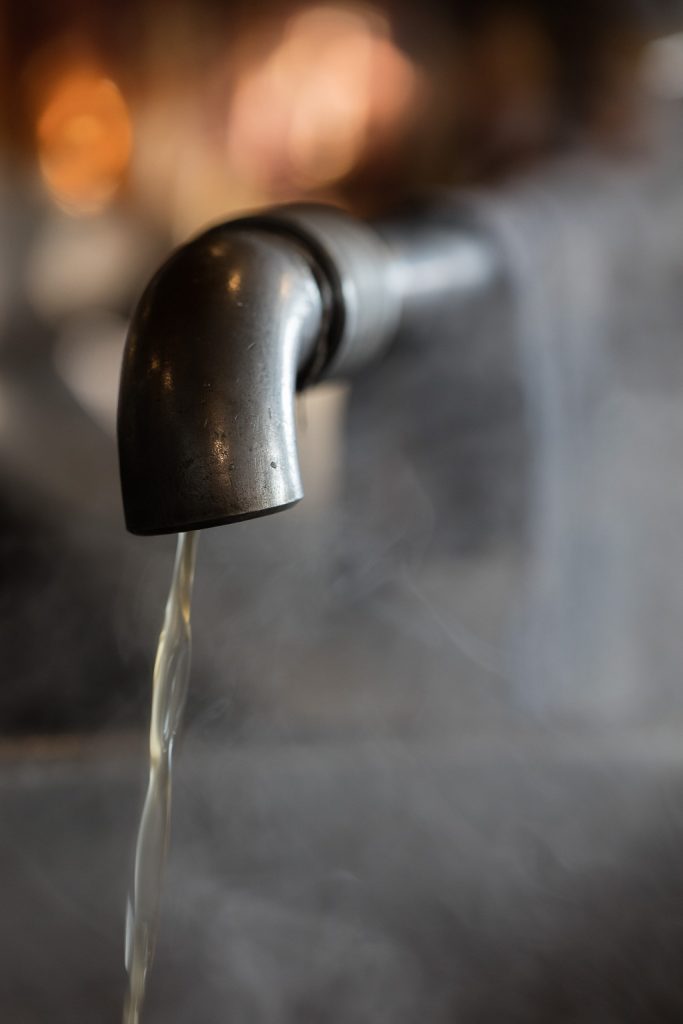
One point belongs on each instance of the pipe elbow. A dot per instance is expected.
(206, 419)
(228, 328)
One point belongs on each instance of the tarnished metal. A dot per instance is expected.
(206, 408)
(234, 320)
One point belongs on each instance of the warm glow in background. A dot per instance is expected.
(289, 105)
(84, 139)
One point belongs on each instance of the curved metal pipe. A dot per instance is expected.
(220, 339)
(240, 317)
(206, 410)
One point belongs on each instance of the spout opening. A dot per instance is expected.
(142, 530)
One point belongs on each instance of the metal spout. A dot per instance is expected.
(206, 410)
(239, 318)
(224, 333)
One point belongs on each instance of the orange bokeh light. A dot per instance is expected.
(84, 139)
(305, 114)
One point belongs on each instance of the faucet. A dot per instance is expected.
(247, 313)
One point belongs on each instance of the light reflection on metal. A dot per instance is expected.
(662, 71)
(234, 282)
(285, 285)
(304, 116)
(84, 139)
(221, 449)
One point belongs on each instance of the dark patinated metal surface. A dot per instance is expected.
(206, 410)
(235, 320)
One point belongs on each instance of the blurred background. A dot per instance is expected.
(126, 131)
(435, 711)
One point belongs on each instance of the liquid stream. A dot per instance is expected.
(169, 691)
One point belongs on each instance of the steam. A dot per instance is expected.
(368, 829)
(595, 268)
